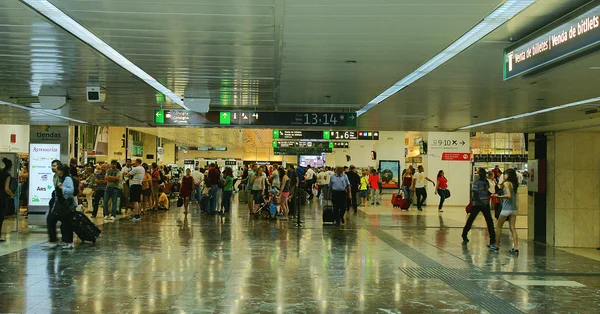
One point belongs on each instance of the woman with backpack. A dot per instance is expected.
(64, 206)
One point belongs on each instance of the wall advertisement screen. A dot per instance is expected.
(40, 172)
(390, 173)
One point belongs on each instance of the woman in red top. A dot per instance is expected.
(441, 189)
(187, 187)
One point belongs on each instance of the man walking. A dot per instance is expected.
(100, 182)
(339, 191)
(354, 180)
(419, 185)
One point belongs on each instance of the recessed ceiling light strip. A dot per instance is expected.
(57, 16)
(503, 13)
(42, 111)
(528, 114)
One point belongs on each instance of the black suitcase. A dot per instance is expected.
(204, 202)
(85, 229)
(329, 214)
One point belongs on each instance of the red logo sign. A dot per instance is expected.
(456, 156)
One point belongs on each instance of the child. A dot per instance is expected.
(163, 201)
(364, 188)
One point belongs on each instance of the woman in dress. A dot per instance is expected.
(186, 189)
(440, 189)
(6, 194)
(285, 193)
(509, 209)
(258, 184)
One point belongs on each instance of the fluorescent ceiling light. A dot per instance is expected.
(42, 111)
(528, 114)
(503, 13)
(57, 16)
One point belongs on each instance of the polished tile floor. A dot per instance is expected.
(381, 261)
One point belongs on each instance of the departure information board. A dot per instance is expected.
(308, 144)
(253, 118)
(325, 135)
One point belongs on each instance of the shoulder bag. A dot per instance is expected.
(63, 206)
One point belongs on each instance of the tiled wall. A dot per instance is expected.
(573, 198)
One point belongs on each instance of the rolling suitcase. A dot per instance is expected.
(397, 200)
(204, 202)
(329, 214)
(85, 229)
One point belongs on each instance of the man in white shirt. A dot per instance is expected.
(136, 176)
(419, 186)
(125, 195)
(198, 181)
(321, 183)
(310, 179)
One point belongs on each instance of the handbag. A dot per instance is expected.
(447, 193)
(180, 201)
(468, 208)
(63, 206)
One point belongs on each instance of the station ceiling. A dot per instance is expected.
(290, 55)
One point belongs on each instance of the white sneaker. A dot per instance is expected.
(136, 219)
(112, 218)
(68, 246)
(106, 217)
(50, 245)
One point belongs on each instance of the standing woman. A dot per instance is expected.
(186, 189)
(440, 189)
(6, 195)
(407, 180)
(65, 204)
(285, 193)
(227, 189)
(146, 191)
(258, 187)
(509, 208)
(364, 188)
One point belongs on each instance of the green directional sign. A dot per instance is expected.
(331, 145)
(326, 135)
(159, 116)
(275, 133)
(225, 118)
(351, 120)
(274, 143)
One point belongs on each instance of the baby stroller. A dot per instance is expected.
(268, 209)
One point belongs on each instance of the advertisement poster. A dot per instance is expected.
(390, 173)
(40, 172)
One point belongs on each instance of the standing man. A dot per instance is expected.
(198, 180)
(136, 177)
(339, 191)
(354, 180)
(100, 182)
(374, 184)
(321, 182)
(125, 195)
(73, 169)
(419, 185)
(213, 182)
(112, 190)
(310, 178)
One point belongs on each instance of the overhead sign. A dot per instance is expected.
(500, 158)
(46, 134)
(300, 135)
(449, 146)
(308, 144)
(565, 40)
(41, 176)
(301, 150)
(251, 118)
(354, 135)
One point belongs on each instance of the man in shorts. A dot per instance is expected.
(136, 176)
